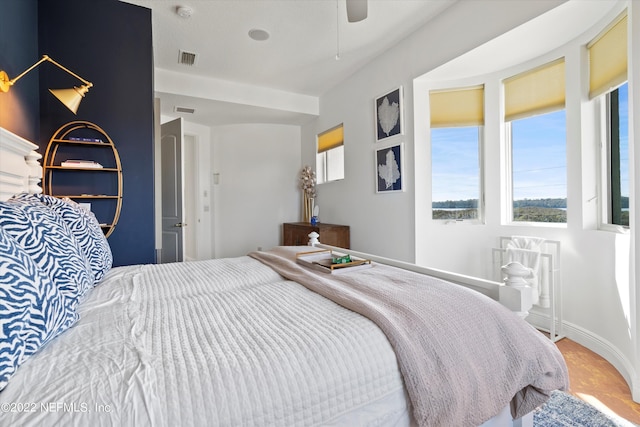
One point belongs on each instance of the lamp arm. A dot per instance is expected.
(47, 58)
(89, 84)
(15, 79)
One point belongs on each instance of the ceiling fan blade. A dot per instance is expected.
(356, 10)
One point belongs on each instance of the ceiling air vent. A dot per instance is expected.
(187, 58)
(185, 110)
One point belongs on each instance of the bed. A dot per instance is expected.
(254, 340)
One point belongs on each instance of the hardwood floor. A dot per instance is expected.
(596, 381)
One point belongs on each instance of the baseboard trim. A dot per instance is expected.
(598, 345)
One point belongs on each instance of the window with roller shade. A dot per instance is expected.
(536, 135)
(457, 122)
(330, 155)
(616, 171)
(608, 85)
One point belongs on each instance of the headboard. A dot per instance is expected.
(20, 170)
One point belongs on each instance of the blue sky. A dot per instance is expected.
(455, 168)
(539, 158)
(623, 94)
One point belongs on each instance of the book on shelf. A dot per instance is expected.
(72, 138)
(81, 164)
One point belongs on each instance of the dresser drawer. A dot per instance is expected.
(297, 234)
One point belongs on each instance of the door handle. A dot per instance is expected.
(179, 225)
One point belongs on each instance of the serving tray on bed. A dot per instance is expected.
(322, 261)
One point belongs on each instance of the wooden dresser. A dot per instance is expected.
(297, 234)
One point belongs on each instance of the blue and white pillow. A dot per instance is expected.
(84, 226)
(32, 309)
(46, 238)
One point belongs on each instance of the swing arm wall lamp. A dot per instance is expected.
(69, 97)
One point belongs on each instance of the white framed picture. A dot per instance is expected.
(85, 206)
(390, 168)
(389, 115)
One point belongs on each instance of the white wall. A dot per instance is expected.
(634, 154)
(191, 196)
(384, 223)
(599, 297)
(258, 167)
(200, 136)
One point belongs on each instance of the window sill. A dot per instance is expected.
(457, 221)
(537, 224)
(612, 228)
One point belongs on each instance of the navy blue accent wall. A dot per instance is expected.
(19, 108)
(108, 43)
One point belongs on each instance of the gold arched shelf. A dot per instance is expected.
(74, 134)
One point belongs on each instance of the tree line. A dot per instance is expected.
(524, 203)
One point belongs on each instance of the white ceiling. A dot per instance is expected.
(240, 80)
(533, 39)
(298, 61)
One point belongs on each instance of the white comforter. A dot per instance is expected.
(218, 343)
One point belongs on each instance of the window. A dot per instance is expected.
(457, 119)
(536, 132)
(539, 168)
(607, 81)
(455, 159)
(330, 155)
(616, 158)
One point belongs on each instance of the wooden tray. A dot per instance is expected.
(321, 261)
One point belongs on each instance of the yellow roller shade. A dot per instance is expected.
(457, 107)
(331, 138)
(536, 91)
(608, 58)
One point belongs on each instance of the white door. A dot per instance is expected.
(172, 189)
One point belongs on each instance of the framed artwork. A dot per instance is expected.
(388, 114)
(390, 169)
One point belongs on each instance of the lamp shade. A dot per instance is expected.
(70, 97)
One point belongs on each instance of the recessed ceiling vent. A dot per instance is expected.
(184, 110)
(187, 58)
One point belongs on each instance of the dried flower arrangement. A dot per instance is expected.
(308, 186)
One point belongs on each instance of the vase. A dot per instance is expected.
(307, 207)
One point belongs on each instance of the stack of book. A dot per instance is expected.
(81, 164)
(85, 139)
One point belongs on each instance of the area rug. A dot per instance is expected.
(565, 410)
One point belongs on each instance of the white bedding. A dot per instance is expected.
(221, 342)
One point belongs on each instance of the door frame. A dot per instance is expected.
(173, 221)
(204, 202)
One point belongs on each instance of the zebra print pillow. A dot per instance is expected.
(84, 226)
(31, 307)
(46, 238)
